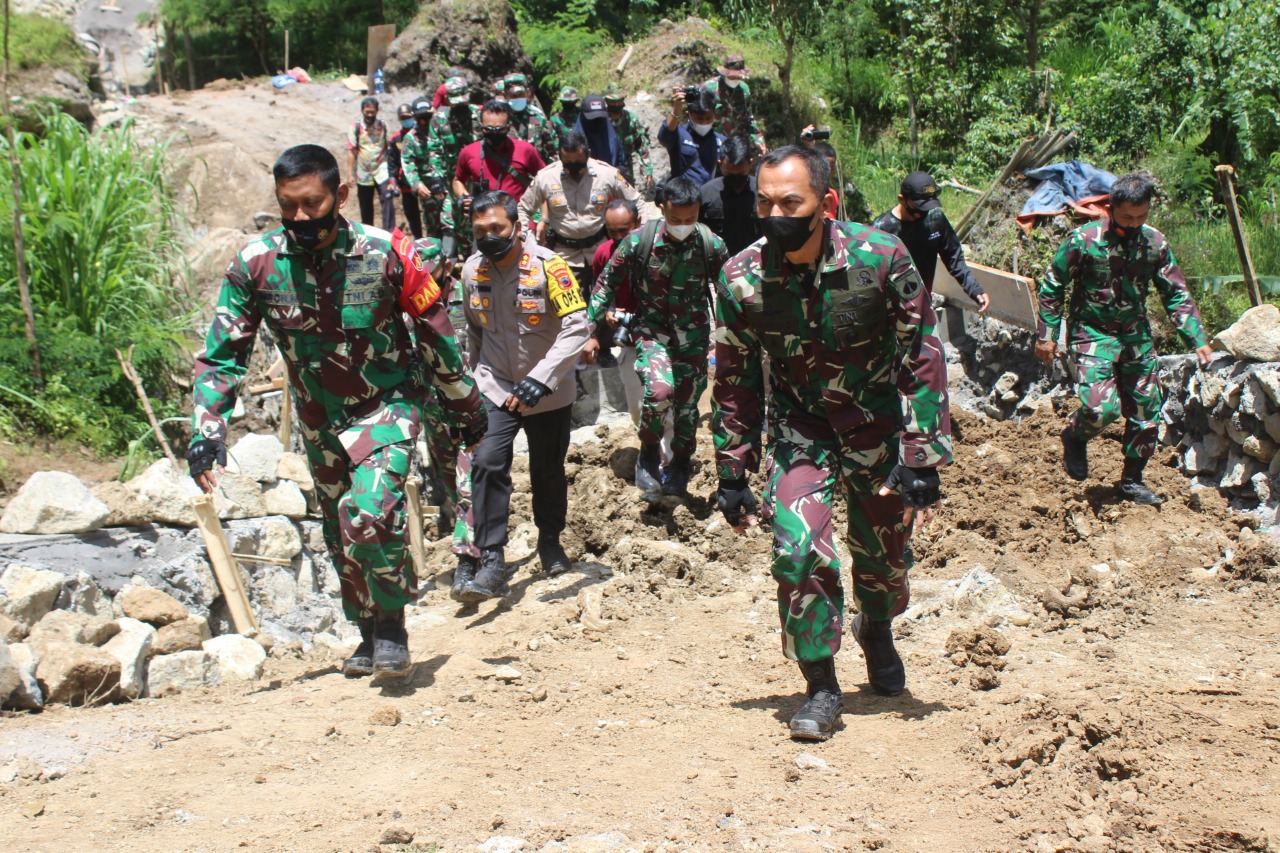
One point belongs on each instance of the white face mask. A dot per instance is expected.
(702, 129)
(518, 104)
(733, 82)
(680, 232)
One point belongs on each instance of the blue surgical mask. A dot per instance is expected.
(518, 104)
(407, 123)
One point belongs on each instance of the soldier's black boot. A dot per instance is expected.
(676, 481)
(885, 671)
(390, 646)
(445, 522)
(360, 663)
(649, 472)
(1075, 455)
(491, 580)
(1131, 486)
(462, 575)
(553, 558)
(818, 717)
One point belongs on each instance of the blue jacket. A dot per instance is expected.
(691, 155)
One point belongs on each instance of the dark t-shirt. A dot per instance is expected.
(731, 215)
(925, 240)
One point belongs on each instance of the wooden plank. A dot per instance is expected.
(1013, 297)
(224, 565)
(417, 545)
(380, 39)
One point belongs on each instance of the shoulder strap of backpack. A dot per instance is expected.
(648, 235)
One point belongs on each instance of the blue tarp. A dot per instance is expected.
(1062, 183)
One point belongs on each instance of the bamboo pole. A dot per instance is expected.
(126, 365)
(224, 565)
(626, 57)
(1237, 230)
(417, 546)
(286, 51)
(286, 417)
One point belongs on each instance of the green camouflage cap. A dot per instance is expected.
(514, 82)
(614, 92)
(568, 93)
(458, 90)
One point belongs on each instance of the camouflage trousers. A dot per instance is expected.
(803, 481)
(447, 457)
(464, 526)
(673, 381)
(1110, 387)
(363, 512)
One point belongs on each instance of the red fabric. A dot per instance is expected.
(440, 98)
(622, 296)
(419, 290)
(1093, 207)
(524, 158)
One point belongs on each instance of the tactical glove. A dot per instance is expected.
(529, 391)
(204, 453)
(735, 500)
(919, 487)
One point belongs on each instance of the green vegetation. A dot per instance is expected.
(101, 249)
(35, 40)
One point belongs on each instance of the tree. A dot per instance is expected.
(791, 19)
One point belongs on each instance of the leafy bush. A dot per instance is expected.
(35, 40)
(101, 249)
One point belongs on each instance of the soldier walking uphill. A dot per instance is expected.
(634, 136)
(733, 101)
(858, 403)
(1113, 264)
(671, 266)
(333, 292)
(452, 129)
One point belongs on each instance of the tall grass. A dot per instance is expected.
(99, 224)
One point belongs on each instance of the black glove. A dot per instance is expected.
(529, 391)
(919, 487)
(735, 500)
(469, 435)
(201, 455)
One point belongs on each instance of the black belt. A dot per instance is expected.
(554, 240)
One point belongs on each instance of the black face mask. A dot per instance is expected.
(737, 183)
(574, 170)
(495, 246)
(788, 233)
(310, 233)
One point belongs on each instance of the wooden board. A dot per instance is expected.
(1013, 297)
(224, 566)
(380, 39)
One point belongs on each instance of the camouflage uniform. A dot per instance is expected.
(1109, 335)
(635, 139)
(567, 118)
(672, 326)
(415, 156)
(858, 384)
(733, 104)
(357, 387)
(449, 134)
(532, 125)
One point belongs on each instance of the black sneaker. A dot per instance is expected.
(390, 647)
(1075, 455)
(649, 473)
(675, 482)
(491, 580)
(885, 671)
(360, 663)
(606, 358)
(552, 556)
(818, 717)
(1138, 492)
(462, 575)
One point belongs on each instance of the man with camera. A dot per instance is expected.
(694, 146)
(671, 265)
(621, 217)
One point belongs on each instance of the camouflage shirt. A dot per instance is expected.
(735, 111)
(564, 121)
(1112, 277)
(449, 134)
(850, 343)
(673, 295)
(635, 141)
(347, 349)
(415, 157)
(532, 125)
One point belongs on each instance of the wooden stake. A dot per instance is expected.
(286, 51)
(224, 565)
(626, 57)
(417, 546)
(286, 417)
(1237, 230)
(126, 365)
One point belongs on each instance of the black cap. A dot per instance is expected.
(422, 106)
(593, 107)
(921, 190)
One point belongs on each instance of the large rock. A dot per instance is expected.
(239, 496)
(67, 626)
(87, 597)
(1255, 336)
(35, 90)
(28, 696)
(275, 590)
(77, 675)
(166, 493)
(185, 636)
(279, 538)
(284, 498)
(167, 674)
(256, 457)
(151, 605)
(53, 502)
(126, 509)
(11, 631)
(132, 647)
(294, 467)
(10, 676)
(238, 657)
(478, 36)
(29, 593)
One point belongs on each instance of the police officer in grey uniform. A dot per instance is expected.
(526, 325)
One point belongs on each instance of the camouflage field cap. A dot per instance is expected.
(568, 93)
(458, 90)
(614, 92)
(515, 85)
(735, 67)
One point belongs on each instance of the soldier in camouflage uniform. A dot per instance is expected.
(333, 292)
(451, 130)
(566, 119)
(528, 121)
(670, 266)
(858, 403)
(1113, 264)
(635, 139)
(733, 101)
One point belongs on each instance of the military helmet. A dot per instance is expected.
(458, 90)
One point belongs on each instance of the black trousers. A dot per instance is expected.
(412, 213)
(386, 192)
(548, 434)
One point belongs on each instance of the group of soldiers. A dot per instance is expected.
(828, 372)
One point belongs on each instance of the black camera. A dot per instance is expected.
(622, 334)
(817, 134)
(691, 94)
